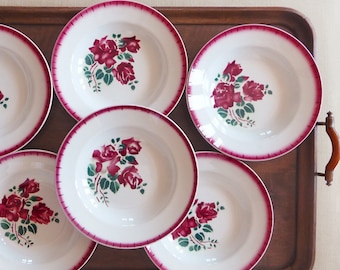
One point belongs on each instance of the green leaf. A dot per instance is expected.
(87, 74)
(99, 74)
(104, 183)
(108, 78)
(241, 79)
(240, 112)
(89, 59)
(32, 228)
(90, 183)
(91, 170)
(107, 70)
(12, 237)
(200, 236)
(249, 108)
(227, 76)
(270, 92)
(35, 198)
(183, 242)
(222, 112)
(233, 122)
(5, 224)
(22, 230)
(240, 104)
(114, 186)
(128, 56)
(112, 177)
(207, 228)
(131, 159)
(197, 247)
(57, 220)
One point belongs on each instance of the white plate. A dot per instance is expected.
(126, 176)
(254, 92)
(151, 68)
(34, 232)
(25, 90)
(230, 223)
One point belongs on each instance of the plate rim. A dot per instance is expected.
(318, 91)
(265, 195)
(112, 4)
(172, 125)
(33, 47)
(51, 155)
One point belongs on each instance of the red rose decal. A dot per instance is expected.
(109, 154)
(131, 44)
(122, 171)
(131, 177)
(104, 51)
(28, 187)
(124, 73)
(20, 211)
(41, 214)
(253, 91)
(234, 87)
(225, 96)
(192, 232)
(111, 60)
(12, 208)
(206, 212)
(185, 228)
(130, 146)
(1, 95)
(233, 70)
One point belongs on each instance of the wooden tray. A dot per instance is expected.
(289, 179)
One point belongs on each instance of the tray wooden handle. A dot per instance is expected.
(334, 137)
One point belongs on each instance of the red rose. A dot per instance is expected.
(206, 212)
(253, 91)
(110, 154)
(1, 95)
(225, 96)
(131, 146)
(185, 228)
(131, 177)
(12, 208)
(131, 44)
(233, 70)
(27, 187)
(41, 214)
(104, 51)
(124, 73)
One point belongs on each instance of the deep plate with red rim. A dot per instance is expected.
(117, 53)
(254, 92)
(126, 176)
(229, 226)
(34, 232)
(25, 90)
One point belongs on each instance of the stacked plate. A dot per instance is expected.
(126, 175)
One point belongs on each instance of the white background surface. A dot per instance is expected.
(324, 19)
